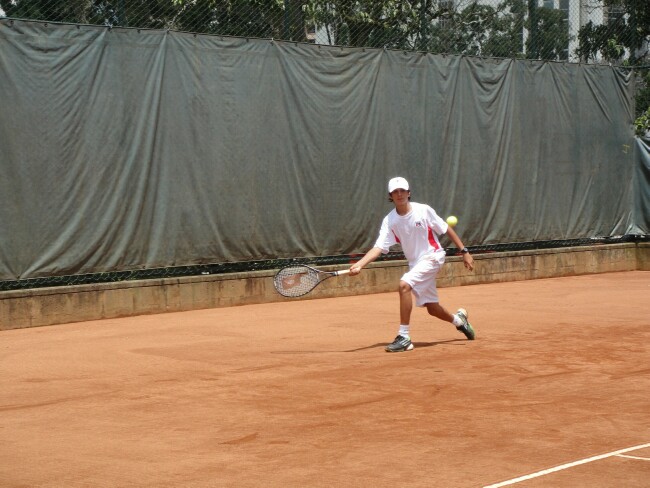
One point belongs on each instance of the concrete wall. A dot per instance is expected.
(58, 305)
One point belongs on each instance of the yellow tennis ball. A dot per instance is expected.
(452, 221)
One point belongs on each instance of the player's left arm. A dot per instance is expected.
(468, 260)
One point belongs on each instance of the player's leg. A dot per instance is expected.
(403, 340)
(422, 279)
(418, 278)
(459, 319)
(440, 312)
(405, 302)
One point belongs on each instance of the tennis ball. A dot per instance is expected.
(452, 221)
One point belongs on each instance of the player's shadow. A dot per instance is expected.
(382, 345)
(416, 345)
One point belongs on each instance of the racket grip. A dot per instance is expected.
(342, 272)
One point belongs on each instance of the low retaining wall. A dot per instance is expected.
(58, 305)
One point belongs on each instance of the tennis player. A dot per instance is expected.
(416, 227)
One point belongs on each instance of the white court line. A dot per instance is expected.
(566, 466)
(634, 457)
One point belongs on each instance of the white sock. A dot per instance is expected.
(404, 330)
(457, 320)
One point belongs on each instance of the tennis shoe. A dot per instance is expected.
(400, 344)
(466, 327)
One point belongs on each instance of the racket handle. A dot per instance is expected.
(342, 272)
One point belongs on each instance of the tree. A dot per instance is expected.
(368, 23)
(501, 28)
(440, 26)
(252, 18)
(507, 35)
(68, 11)
(552, 35)
(642, 99)
(623, 39)
(481, 30)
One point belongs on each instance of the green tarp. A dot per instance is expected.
(128, 149)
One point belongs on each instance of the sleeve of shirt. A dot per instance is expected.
(386, 237)
(436, 222)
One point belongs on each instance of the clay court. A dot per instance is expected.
(301, 393)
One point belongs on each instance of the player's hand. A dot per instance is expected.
(355, 270)
(468, 261)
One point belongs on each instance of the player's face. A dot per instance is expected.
(400, 196)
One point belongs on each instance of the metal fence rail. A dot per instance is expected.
(274, 264)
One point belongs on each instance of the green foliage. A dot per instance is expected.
(369, 23)
(69, 11)
(252, 18)
(642, 102)
(642, 124)
(643, 90)
(499, 28)
(551, 38)
(506, 37)
(600, 39)
(623, 38)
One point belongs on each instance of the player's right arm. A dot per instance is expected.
(384, 241)
(370, 256)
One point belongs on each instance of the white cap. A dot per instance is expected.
(396, 183)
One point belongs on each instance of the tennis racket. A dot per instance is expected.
(298, 280)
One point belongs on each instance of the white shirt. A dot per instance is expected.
(417, 232)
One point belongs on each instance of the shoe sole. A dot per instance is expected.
(408, 348)
(472, 334)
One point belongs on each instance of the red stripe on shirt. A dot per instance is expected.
(432, 240)
(396, 238)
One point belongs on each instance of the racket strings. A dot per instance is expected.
(295, 281)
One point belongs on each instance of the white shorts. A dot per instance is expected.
(422, 279)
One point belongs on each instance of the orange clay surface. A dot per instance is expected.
(302, 394)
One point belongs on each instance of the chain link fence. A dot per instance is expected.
(588, 31)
